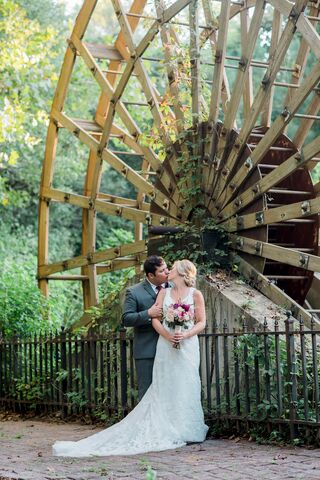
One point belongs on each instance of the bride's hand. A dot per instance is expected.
(178, 337)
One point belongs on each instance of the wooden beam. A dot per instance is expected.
(102, 206)
(303, 209)
(120, 264)
(305, 126)
(275, 36)
(220, 54)
(248, 87)
(96, 257)
(195, 61)
(274, 252)
(129, 202)
(271, 291)
(103, 52)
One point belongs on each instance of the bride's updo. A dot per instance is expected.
(188, 271)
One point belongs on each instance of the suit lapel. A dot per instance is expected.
(149, 289)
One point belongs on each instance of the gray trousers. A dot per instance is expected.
(144, 367)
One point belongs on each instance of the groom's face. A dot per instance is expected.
(160, 275)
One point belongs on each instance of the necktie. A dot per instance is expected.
(158, 288)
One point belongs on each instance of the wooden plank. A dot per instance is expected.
(103, 206)
(261, 96)
(273, 178)
(305, 126)
(217, 26)
(96, 257)
(284, 6)
(310, 35)
(273, 133)
(303, 209)
(89, 286)
(275, 36)
(248, 87)
(220, 95)
(103, 52)
(220, 54)
(195, 61)
(72, 278)
(120, 264)
(129, 202)
(277, 253)
(84, 17)
(271, 291)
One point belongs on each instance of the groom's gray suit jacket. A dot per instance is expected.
(139, 299)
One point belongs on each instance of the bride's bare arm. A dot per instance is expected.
(200, 318)
(156, 322)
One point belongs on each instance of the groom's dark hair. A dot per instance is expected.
(151, 263)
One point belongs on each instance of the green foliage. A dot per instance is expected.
(28, 72)
(22, 306)
(202, 241)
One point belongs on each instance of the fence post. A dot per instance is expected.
(14, 378)
(64, 381)
(124, 379)
(292, 375)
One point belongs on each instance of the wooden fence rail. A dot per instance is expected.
(270, 376)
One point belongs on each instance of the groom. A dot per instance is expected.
(139, 308)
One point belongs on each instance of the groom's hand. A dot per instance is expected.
(155, 311)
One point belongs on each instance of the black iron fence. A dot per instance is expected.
(89, 375)
(270, 376)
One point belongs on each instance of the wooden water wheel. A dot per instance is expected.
(227, 109)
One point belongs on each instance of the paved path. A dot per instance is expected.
(25, 454)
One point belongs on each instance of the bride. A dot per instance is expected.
(170, 413)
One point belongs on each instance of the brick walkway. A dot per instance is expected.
(25, 454)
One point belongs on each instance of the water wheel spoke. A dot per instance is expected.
(277, 214)
(296, 258)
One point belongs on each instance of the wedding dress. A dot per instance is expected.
(168, 416)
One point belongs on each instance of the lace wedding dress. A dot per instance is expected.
(170, 413)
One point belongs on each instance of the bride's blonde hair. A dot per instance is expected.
(188, 271)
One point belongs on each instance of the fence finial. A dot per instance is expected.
(265, 323)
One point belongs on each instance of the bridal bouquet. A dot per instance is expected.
(177, 317)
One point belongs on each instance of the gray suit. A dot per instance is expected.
(139, 299)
